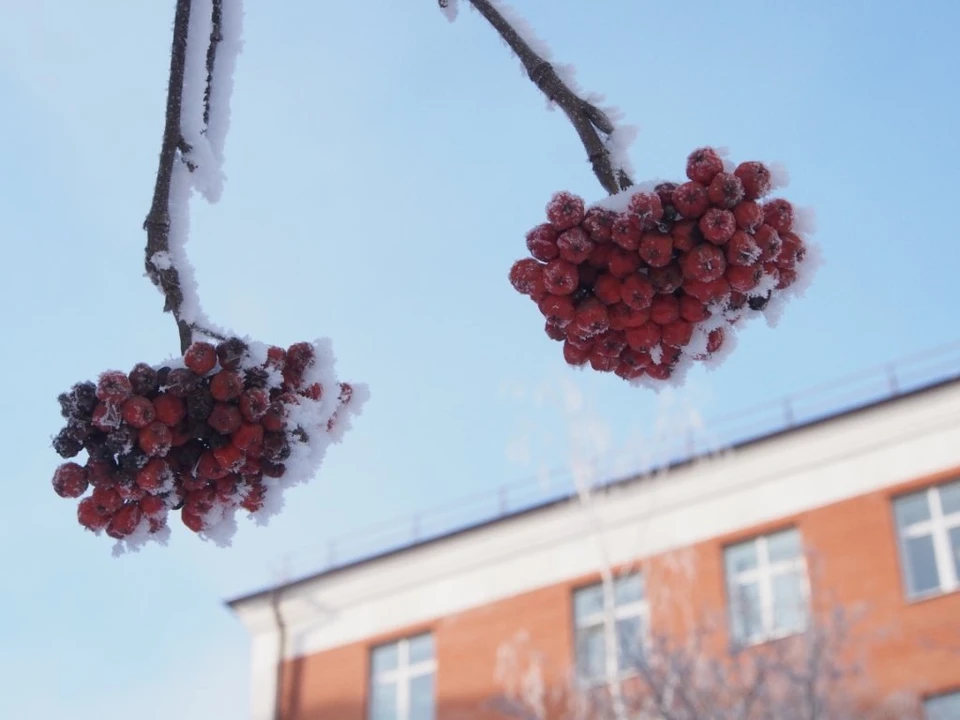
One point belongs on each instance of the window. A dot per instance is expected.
(401, 679)
(767, 587)
(928, 525)
(943, 707)
(630, 619)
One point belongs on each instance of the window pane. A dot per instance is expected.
(421, 697)
(629, 642)
(740, 558)
(945, 707)
(628, 589)
(950, 497)
(745, 611)
(784, 545)
(955, 545)
(590, 653)
(789, 605)
(921, 564)
(421, 648)
(384, 658)
(911, 509)
(587, 601)
(383, 701)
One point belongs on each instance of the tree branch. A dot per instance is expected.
(166, 276)
(587, 119)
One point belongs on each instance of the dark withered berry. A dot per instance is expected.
(145, 380)
(131, 462)
(96, 445)
(163, 376)
(275, 446)
(272, 469)
(215, 440)
(182, 381)
(122, 440)
(79, 428)
(230, 353)
(80, 401)
(199, 405)
(66, 445)
(300, 434)
(255, 378)
(188, 454)
(758, 302)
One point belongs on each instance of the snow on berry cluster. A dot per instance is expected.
(651, 279)
(223, 428)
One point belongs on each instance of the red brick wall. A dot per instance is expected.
(854, 561)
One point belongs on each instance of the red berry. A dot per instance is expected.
(591, 318)
(554, 331)
(107, 500)
(526, 276)
(686, 235)
(201, 357)
(231, 352)
(153, 505)
(634, 360)
(575, 354)
(600, 256)
(565, 210)
(246, 436)
(227, 385)
(209, 468)
(230, 457)
(623, 317)
(647, 207)
(718, 225)
(225, 418)
(742, 250)
(666, 280)
(704, 263)
(736, 300)
(253, 499)
(192, 518)
(626, 231)
(635, 318)
(106, 416)
(690, 199)
(644, 337)
(677, 334)
(300, 356)
(603, 363)
(70, 480)
(792, 251)
(661, 371)
(785, 278)
(155, 439)
(664, 309)
(561, 277)
(749, 215)
(755, 178)
(557, 309)
(542, 242)
(769, 243)
(130, 492)
(155, 475)
(226, 488)
(575, 245)
(90, 516)
(665, 192)
(169, 409)
(691, 309)
(743, 279)
(622, 262)
(598, 222)
(656, 249)
(703, 164)
(610, 343)
(725, 190)
(607, 289)
(276, 358)
(114, 387)
(715, 340)
(778, 214)
(708, 292)
(637, 291)
(314, 392)
(100, 472)
(254, 404)
(138, 412)
(124, 521)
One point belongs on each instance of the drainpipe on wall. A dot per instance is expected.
(281, 653)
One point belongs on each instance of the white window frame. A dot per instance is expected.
(634, 609)
(938, 527)
(763, 575)
(402, 675)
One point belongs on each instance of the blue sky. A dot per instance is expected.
(382, 168)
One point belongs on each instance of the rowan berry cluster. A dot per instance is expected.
(634, 291)
(205, 438)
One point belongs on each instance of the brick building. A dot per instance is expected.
(861, 503)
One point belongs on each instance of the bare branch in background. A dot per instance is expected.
(588, 120)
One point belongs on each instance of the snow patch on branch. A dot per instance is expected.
(449, 8)
(221, 90)
(200, 155)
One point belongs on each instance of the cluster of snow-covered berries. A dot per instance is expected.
(204, 437)
(643, 281)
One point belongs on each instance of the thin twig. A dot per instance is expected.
(587, 119)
